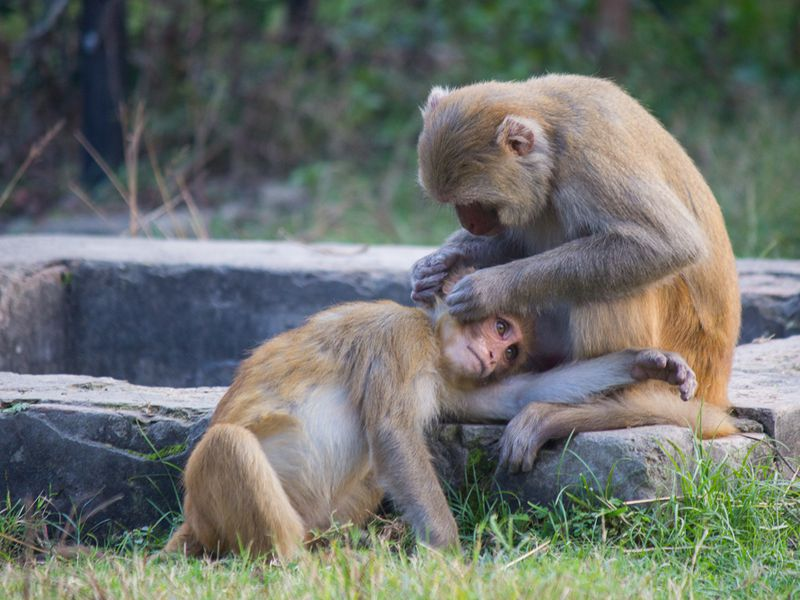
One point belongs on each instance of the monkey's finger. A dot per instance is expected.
(651, 359)
(502, 459)
(462, 303)
(438, 261)
(463, 311)
(530, 456)
(433, 269)
(426, 298)
(420, 275)
(518, 452)
(678, 371)
(688, 388)
(432, 282)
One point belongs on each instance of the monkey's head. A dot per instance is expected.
(478, 153)
(484, 350)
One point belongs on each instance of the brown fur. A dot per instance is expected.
(322, 420)
(318, 423)
(606, 215)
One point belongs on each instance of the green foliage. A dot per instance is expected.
(241, 92)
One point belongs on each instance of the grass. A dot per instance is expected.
(731, 532)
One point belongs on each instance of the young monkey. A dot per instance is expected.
(323, 420)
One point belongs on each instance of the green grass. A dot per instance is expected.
(731, 532)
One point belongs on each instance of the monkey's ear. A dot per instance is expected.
(437, 94)
(517, 134)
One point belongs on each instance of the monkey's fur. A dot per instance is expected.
(322, 420)
(587, 213)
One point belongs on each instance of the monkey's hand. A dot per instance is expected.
(475, 297)
(428, 274)
(665, 366)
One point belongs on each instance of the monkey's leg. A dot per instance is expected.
(660, 317)
(647, 404)
(238, 501)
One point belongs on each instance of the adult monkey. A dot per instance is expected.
(577, 205)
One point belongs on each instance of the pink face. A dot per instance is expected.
(484, 348)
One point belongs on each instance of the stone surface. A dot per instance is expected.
(86, 440)
(765, 387)
(33, 319)
(630, 464)
(770, 298)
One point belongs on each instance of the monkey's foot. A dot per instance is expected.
(665, 366)
(522, 439)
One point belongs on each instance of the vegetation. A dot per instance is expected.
(730, 532)
(324, 95)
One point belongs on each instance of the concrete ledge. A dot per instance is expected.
(631, 464)
(179, 313)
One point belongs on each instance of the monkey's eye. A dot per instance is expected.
(502, 327)
(511, 353)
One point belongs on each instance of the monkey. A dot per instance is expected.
(579, 208)
(321, 421)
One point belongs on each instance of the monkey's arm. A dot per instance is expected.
(616, 247)
(461, 250)
(404, 469)
(574, 382)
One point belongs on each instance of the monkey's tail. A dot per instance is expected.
(235, 500)
(654, 405)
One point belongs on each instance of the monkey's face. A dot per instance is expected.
(484, 349)
(494, 167)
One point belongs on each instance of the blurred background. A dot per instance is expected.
(297, 119)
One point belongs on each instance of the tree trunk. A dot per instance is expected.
(614, 18)
(102, 73)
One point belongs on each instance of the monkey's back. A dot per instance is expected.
(347, 343)
(703, 297)
(311, 393)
